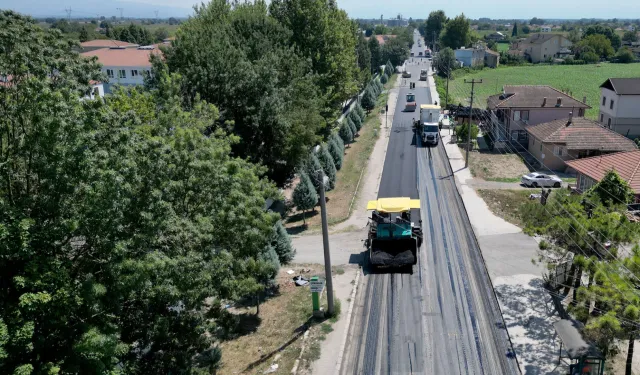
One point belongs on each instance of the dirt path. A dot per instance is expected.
(368, 189)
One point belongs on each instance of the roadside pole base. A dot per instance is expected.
(318, 313)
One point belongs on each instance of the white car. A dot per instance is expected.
(444, 120)
(536, 179)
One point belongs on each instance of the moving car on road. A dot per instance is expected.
(406, 74)
(427, 53)
(424, 73)
(536, 179)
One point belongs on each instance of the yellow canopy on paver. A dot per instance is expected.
(401, 204)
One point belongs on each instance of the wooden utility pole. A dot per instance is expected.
(473, 84)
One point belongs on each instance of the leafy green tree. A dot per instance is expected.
(355, 117)
(323, 33)
(600, 44)
(360, 112)
(368, 100)
(456, 33)
(376, 54)
(395, 51)
(462, 130)
(630, 36)
(364, 59)
(389, 69)
(612, 190)
(210, 360)
(607, 31)
(313, 168)
(243, 61)
(109, 243)
(345, 133)
(336, 152)
(381, 30)
(328, 166)
(352, 126)
(625, 56)
(445, 62)
(281, 243)
(536, 21)
(160, 34)
(526, 29)
(338, 141)
(304, 195)
(514, 32)
(84, 35)
(434, 25)
(379, 86)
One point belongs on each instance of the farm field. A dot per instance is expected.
(502, 47)
(171, 29)
(577, 80)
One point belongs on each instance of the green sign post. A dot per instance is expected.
(316, 285)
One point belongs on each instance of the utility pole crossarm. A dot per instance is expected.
(473, 84)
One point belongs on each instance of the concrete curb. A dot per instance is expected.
(346, 331)
(294, 370)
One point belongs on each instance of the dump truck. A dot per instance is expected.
(411, 104)
(427, 127)
(393, 238)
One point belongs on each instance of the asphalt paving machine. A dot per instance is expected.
(393, 239)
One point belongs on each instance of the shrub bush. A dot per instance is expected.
(355, 117)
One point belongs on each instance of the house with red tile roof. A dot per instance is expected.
(591, 170)
(519, 106)
(382, 39)
(91, 45)
(557, 142)
(124, 66)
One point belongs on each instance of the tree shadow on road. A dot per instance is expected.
(529, 313)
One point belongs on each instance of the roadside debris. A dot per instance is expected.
(300, 280)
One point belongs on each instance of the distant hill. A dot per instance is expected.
(93, 8)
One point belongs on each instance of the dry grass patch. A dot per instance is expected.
(277, 331)
(506, 203)
(491, 166)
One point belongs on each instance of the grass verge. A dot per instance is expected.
(506, 203)
(355, 162)
(277, 331)
(492, 166)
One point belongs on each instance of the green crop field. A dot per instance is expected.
(577, 80)
(502, 47)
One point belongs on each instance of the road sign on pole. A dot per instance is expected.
(316, 285)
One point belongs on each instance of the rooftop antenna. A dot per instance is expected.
(68, 10)
(120, 10)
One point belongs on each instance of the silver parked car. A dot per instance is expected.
(536, 179)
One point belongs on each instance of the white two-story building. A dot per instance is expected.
(124, 66)
(620, 106)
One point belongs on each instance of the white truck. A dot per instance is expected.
(427, 126)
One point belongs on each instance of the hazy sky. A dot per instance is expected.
(568, 9)
(475, 8)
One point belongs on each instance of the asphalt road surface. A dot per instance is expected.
(443, 318)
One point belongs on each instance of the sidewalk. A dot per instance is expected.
(526, 307)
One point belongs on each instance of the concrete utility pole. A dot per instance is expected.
(473, 83)
(325, 243)
(446, 98)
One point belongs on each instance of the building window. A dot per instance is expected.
(110, 73)
(557, 150)
(601, 118)
(122, 74)
(609, 123)
(134, 73)
(611, 104)
(521, 115)
(604, 100)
